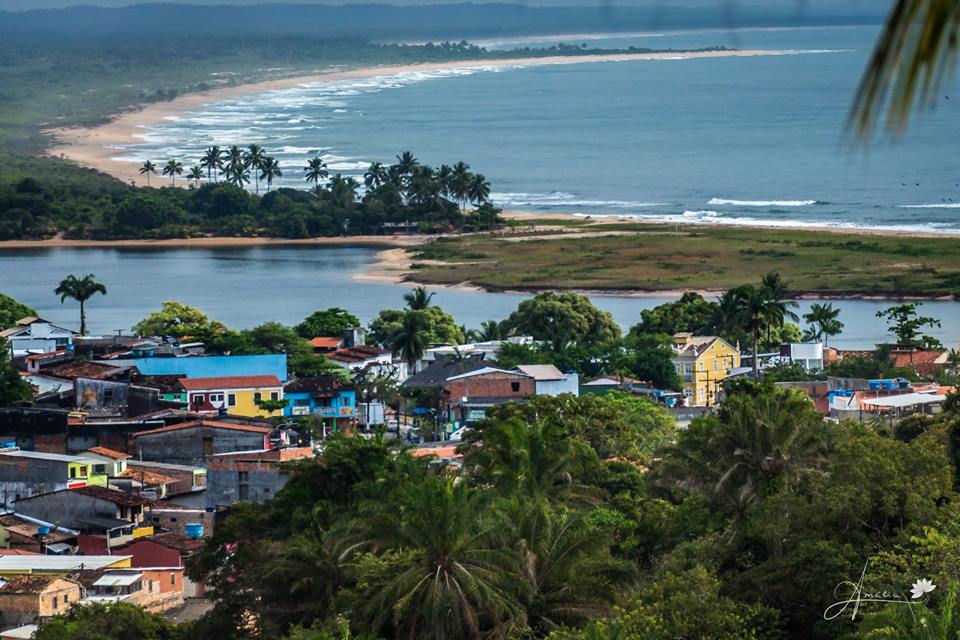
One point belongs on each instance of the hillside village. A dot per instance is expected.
(131, 449)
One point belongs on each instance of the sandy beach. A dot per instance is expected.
(96, 146)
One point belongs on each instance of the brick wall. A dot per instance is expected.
(491, 385)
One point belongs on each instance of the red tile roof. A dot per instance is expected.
(229, 382)
(358, 353)
(146, 477)
(108, 453)
(214, 424)
(28, 583)
(115, 496)
(324, 342)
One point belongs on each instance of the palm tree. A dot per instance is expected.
(490, 330)
(479, 190)
(780, 304)
(410, 341)
(81, 290)
(405, 163)
(173, 168)
(270, 169)
(418, 299)
(753, 316)
(316, 171)
(570, 575)
(444, 178)
(148, 168)
(343, 190)
(196, 174)
(460, 183)
(823, 321)
(916, 52)
(375, 176)
(757, 441)
(236, 167)
(212, 161)
(452, 580)
(255, 157)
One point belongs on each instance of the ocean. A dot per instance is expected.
(724, 140)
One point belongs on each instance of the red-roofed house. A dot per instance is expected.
(326, 344)
(237, 395)
(926, 362)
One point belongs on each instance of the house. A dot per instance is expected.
(326, 344)
(30, 599)
(550, 381)
(435, 374)
(107, 461)
(152, 589)
(327, 397)
(167, 386)
(239, 395)
(926, 362)
(181, 520)
(36, 335)
(117, 515)
(488, 349)
(703, 362)
(28, 473)
(253, 476)
(197, 366)
(191, 443)
(808, 355)
(15, 565)
(363, 357)
(166, 551)
(31, 535)
(186, 479)
(467, 396)
(606, 384)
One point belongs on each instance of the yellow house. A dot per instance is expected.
(703, 362)
(237, 395)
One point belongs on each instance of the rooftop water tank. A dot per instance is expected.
(194, 530)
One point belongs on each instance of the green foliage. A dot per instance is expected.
(434, 325)
(174, 319)
(649, 357)
(13, 388)
(691, 313)
(11, 311)
(906, 324)
(561, 319)
(119, 621)
(81, 290)
(327, 322)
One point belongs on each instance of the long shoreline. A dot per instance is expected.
(96, 146)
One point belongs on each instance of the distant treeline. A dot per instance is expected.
(405, 196)
(425, 21)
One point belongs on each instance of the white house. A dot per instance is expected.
(36, 335)
(808, 354)
(550, 380)
(490, 348)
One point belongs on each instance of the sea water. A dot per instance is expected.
(723, 140)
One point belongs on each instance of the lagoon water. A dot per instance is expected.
(244, 287)
(724, 140)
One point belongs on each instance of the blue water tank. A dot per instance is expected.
(904, 384)
(875, 384)
(889, 384)
(44, 531)
(194, 530)
(671, 402)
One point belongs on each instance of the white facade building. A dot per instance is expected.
(36, 335)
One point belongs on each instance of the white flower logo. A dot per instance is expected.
(921, 588)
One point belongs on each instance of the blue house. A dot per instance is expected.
(327, 397)
(274, 364)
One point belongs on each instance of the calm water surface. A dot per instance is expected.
(244, 287)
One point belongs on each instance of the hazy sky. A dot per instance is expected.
(804, 5)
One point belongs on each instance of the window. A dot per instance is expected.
(274, 395)
(99, 468)
(257, 397)
(66, 598)
(173, 579)
(73, 472)
(107, 395)
(716, 365)
(347, 401)
(243, 476)
(54, 602)
(231, 399)
(515, 386)
(243, 492)
(301, 402)
(216, 397)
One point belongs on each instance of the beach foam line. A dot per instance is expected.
(761, 203)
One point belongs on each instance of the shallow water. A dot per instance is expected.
(246, 286)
